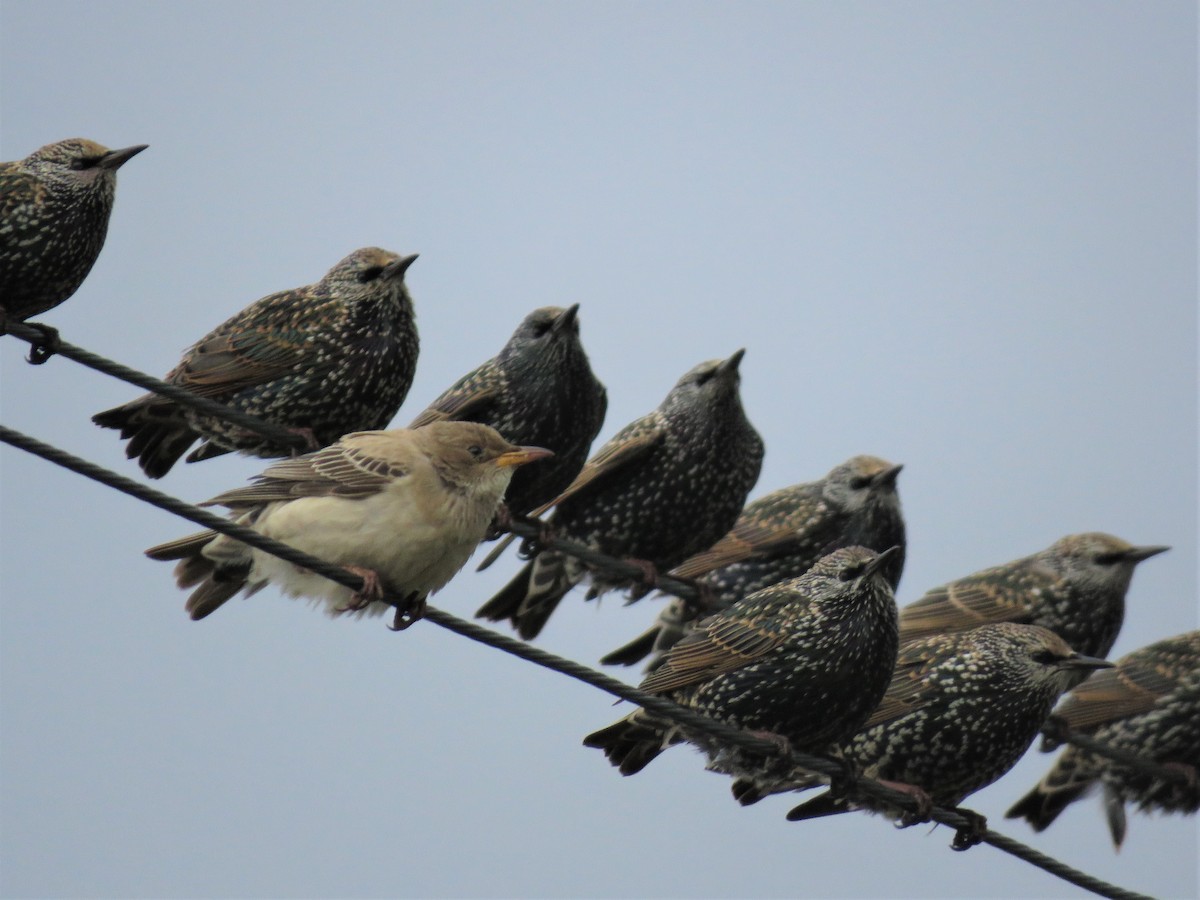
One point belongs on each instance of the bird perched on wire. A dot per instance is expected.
(1076, 588)
(664, 487)
(538, 390)
(403, 509)
(780, 536)
(803, 661)
(960, 710)
(323, 360)
(54, 210)
(1148, 705)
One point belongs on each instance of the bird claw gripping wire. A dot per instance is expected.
(412, 610)
(532, 546)
(971, 834)
(41, 350)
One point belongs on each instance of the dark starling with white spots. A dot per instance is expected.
(54, 210)
(1076, 588)
(803, 662)
(1148, 705)
(780, 536)
(538, 390)
(403, 509)
(322, 360)
(960, 710)
(664, 487)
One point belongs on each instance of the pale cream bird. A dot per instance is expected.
(403, 509)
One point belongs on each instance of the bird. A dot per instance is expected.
(960, 710)
(322, 360)
(54, 210)
(1148, 705)
(403, 509)
(539, 389)
(664, 487)
(1076, 587)
(801, 662)
(780, 536)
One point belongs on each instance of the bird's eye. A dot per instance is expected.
(84, 162)
(851, 572)
(370, 273)
(540, 329)
(1107, 559)
(859, 482)
(476, 451)
(1045, 657)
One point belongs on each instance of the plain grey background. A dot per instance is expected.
(959, 236)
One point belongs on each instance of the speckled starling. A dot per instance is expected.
(539, 390)
(404, 509)
(1148, 705)
(54, 209)
(803, 661)
(960, 710)
(664, 487)
(780, 536)
(323, 360)
(1076, 588)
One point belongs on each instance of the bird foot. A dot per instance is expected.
(972, 833)
(1055, 733)
(42, 350)
(922, 800)
(501, 523)
(649, 578)
(370, 592)
(413, 609)
(532, 546)
(776, 763)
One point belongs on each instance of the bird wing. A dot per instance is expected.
(1134, 686)
(17, 188)
(253, 347)
(907, 690)
(628, 445)
(957, 606)
(747, 539)
(356, 466)
(467, 400)
(722, 645)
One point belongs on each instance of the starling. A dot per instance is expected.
(960, 711)
(802, 662)
(54, 209)
(664, 487)
(780, 536)
(323, 360)
(1076, 588)
(403, 509)
(1148, 705)
(539, 390)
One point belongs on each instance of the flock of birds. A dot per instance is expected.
(793, 632)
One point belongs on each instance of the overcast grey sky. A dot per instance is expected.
(958, 236)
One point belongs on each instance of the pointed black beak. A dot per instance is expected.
(1138, 554)
(888, 476)
(879, 561)
(1079, 661)
(566, 319)
(731, 364)
(397, 267)
(114, 159)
